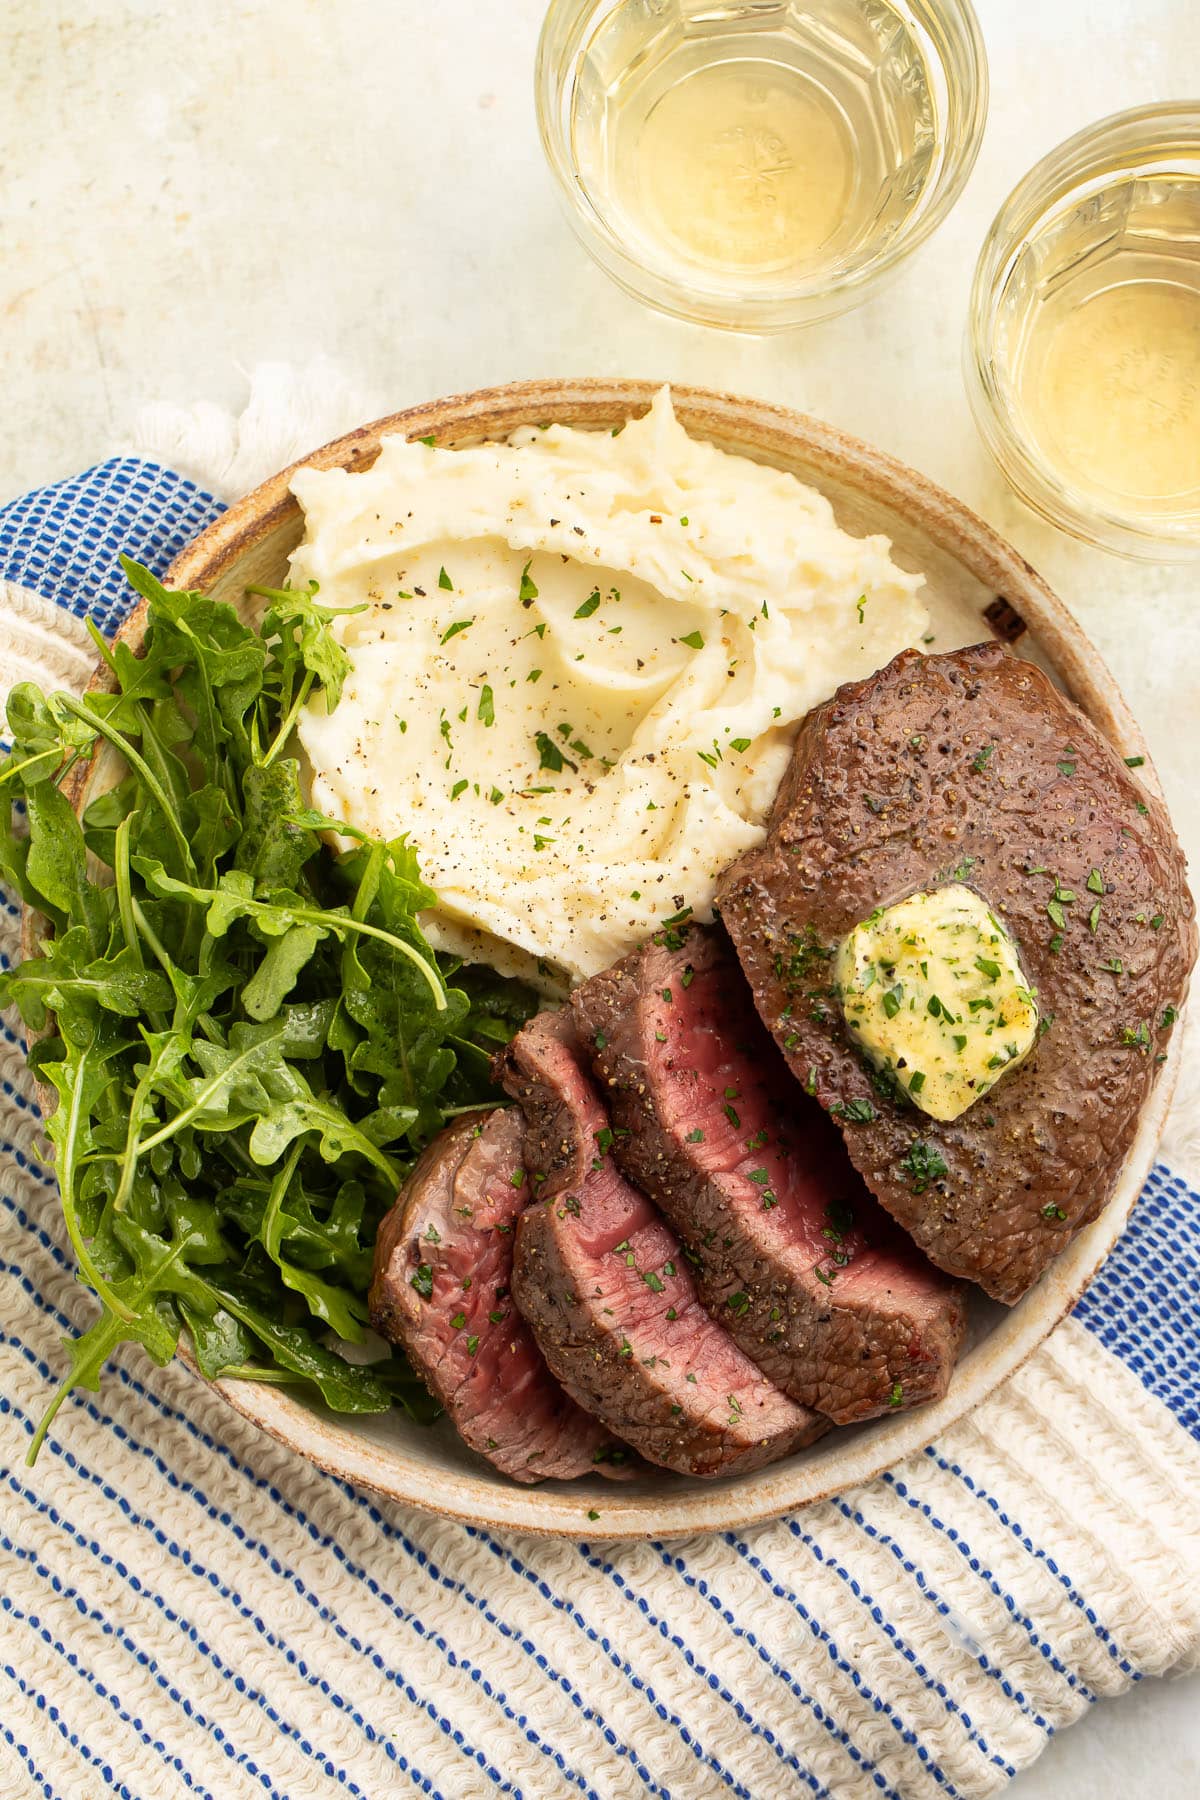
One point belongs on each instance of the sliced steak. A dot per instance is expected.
(539, 1069)
(441, 1288)
(788, 1249)
(607, 1289)
(972, 767)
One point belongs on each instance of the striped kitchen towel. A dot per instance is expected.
(188, 1609)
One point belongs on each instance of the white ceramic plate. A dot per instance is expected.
(977, 586)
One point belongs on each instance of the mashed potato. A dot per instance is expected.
(579, 670)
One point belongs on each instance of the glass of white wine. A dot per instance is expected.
(758, 164)
(1083, 347)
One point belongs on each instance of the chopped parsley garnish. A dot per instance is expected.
(588, 606)
(739, 744)
(486, 712)
(737, 1304)
(453, 630)
(527, 593)
(987, 967)
(444, 580)
(861, 604)
(696, 1135)
(1095, 882)
(896, 1397)
(922, 1163)
(458, 1321)
(693, 640)
(460, 787)
(861, 1112)
(984, 757)
(1066, 767)
(1134, 762)
(1051, 1211)
(423, 1281)
(550, 756)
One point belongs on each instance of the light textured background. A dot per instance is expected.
(186, 190)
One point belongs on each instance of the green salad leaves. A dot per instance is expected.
(249, 1037)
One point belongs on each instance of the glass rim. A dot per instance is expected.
(1061, 178)
(967, 91)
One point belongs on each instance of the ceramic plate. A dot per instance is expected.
(977, 587)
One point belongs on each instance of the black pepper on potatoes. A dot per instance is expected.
(973, 767)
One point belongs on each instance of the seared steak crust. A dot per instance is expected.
(536, 1072)
(606, 1287)
(971, 766)
(444, 1254)
(788, 1250)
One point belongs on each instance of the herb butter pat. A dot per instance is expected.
(933, 995)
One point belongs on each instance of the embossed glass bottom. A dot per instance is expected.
(1099, 324)
(758, 163)
(752, 144)
(1083, 352)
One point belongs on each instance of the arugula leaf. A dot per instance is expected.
(274, 847)
(57, 862)
(252, 1038)
(69, 973)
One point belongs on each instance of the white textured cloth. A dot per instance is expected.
(187, 1608)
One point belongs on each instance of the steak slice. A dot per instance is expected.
(608, 1292)
(789, 1251)
(538, 1068)
(441, 1288)
(972, 767)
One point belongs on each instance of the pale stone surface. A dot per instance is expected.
(186, 190)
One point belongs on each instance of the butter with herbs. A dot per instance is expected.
(933, 994)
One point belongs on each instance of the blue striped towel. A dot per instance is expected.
(187, 1608)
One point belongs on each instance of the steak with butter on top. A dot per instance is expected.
(987, 1063)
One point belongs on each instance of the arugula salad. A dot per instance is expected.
(248, 1035)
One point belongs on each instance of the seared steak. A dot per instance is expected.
(788, 1249)
(441, 1288)
(607, 1289)
(972, 767)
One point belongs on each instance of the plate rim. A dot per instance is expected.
(488, 1499)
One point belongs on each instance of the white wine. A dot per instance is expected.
(753, 145)
(1100, 327)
